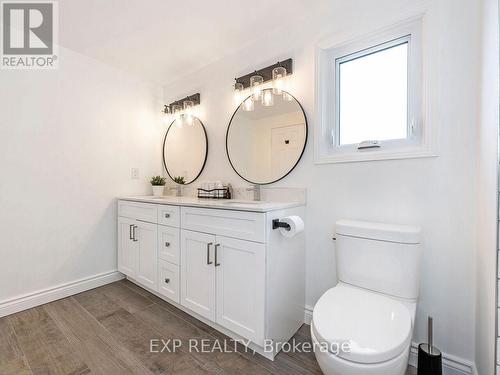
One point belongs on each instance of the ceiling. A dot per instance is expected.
(162, 40)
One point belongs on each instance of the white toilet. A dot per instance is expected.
(372, 308)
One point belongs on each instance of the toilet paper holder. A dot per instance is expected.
(279, 224)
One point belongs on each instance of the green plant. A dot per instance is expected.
(158, 181)
(179, 180)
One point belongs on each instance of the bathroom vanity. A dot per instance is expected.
(220, 261)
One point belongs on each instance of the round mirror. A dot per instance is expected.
(264, 144)
(185, 150)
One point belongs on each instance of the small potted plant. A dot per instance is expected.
(179, 180)
(158, 184)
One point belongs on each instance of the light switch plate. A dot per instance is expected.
(135, 173)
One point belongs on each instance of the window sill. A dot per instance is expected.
(378, 155)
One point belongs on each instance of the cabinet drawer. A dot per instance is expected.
(237, 224)
(168, 282)
(169, 215)
(169, 244)
(140, 211)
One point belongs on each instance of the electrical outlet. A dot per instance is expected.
(135, 173)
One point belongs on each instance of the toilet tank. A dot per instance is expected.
(381, 257)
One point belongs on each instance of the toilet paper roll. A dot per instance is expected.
(296, 226)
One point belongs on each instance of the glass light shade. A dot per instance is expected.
(238, 93)
(287, 97)
(176, 111)
(248, 105)
(188, 112)
(267, 98)
(188, 106)
(256, 82)
(166, 114)
(279, 80)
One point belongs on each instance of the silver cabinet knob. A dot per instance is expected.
(167, 244)
(167, 281)
(167, 216)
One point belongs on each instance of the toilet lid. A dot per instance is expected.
(377, 328)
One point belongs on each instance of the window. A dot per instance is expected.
(375, 81)
(369, 98)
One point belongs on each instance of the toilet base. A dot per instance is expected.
(331, 364)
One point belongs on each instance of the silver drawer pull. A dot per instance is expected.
(208, 253)
(167, 244)
(167, 216)
(167, 281)
(217, 245)
(134, 234)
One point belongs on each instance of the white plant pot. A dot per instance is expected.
(158, 190)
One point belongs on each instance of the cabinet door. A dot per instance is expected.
(240, 295)
(147, 254)
(198, 273)
(127, 254)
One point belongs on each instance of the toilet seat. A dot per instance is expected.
(377, 327)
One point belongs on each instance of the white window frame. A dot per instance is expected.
(420, 141)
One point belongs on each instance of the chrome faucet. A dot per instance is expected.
(256, 191)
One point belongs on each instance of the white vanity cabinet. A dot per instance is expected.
(138, 245)
(225, 266)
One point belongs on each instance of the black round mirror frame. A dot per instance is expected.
(298, 160)
(206, 151)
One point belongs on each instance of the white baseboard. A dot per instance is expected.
(41, 297)
(452, 365)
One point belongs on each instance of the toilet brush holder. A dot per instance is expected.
(429, 357)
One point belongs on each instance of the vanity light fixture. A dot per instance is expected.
(255, 82)
(182, 111)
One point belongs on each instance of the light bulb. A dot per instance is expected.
(176, 111)
(256, 82)
(248, 104)
(267, 98)
(279, 80)
(238, 93)
(188, 112)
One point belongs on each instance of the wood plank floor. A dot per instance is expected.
(108, 331)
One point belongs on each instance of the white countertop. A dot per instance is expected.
(225, 204)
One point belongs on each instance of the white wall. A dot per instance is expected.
(487, 189)
(68, 141)
(436, 193)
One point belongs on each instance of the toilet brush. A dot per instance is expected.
(429, 357)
